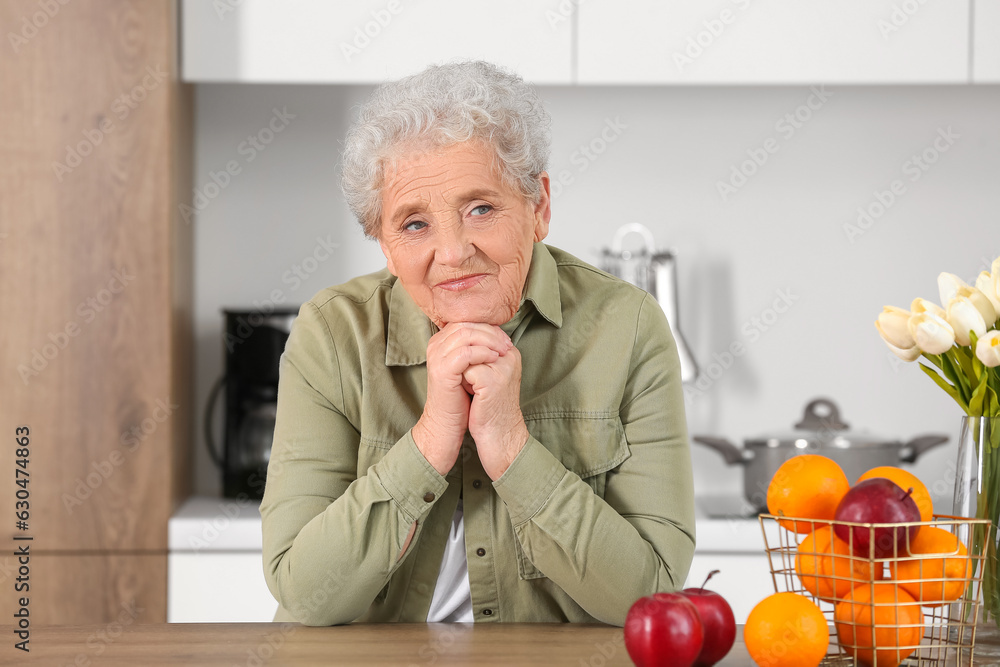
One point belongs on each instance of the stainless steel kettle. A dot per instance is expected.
(653, 271)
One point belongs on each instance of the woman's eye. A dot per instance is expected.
(414, 225)
(482, 209)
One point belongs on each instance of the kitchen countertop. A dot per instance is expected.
(414, 644)
(205, 523)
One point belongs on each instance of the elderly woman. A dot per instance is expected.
(490, 429)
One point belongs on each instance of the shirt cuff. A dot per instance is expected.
(528, 483)
(409, 478)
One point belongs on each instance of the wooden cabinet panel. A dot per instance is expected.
(95, 285)
(317, 41)
(792, 42)
(95, 273)
(76, 589)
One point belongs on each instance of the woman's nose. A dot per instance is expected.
(454, 246)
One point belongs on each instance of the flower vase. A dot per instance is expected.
(977, 495)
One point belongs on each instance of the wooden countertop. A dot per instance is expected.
(409, 645)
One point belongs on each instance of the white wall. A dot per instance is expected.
(782, 231)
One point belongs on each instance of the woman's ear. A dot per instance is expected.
(543, 209)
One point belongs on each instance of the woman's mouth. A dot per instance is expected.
(463, 283)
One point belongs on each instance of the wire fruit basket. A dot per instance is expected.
(916, 607)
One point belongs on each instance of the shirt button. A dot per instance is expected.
(476, 484)
(480, 551)
(487, 612)
(428, 497)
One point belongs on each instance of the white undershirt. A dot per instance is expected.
(452, 600)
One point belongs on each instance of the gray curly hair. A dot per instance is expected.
(441, 106)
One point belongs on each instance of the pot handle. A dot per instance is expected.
(916, 447)
(827, 420)
(730, 452)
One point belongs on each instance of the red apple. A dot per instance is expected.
(663, 630)
(877, 500)
(717, 621)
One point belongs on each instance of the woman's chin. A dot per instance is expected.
(496, 315)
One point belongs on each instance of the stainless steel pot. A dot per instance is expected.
(821, 431)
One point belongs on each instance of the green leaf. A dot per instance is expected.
(978, 396)
(933, 358)
(963, 356)
(994, 384)
(949, 389)
(959, 381)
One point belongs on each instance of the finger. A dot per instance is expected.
(458, 360)
(473, 333)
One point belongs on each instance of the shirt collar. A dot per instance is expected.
(410, 329)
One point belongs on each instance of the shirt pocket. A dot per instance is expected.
(588, 444)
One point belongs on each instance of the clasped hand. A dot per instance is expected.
(474, 383)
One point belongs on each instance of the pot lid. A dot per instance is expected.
(821, 427)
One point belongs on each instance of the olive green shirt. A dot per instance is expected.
(596, 511)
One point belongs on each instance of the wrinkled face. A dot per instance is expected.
(456, 236)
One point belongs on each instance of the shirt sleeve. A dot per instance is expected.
(639, 538)
(331, 537)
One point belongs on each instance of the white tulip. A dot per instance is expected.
(932, 333)
(981, 302)
(988, 349)
(924, 306)
(909, 354)
(984, 283)
(948, 286)
(892, 326)
(963, 316)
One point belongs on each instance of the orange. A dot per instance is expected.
(885, 626)
(934, 580)
(786, 630)
(808, 486)
(828, 569)
(906, 480)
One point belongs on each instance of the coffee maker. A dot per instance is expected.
(253, 343)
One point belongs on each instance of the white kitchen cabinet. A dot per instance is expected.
(318, 41)
(744, 579)
(986, 41)
(774, 42)
(218, 587)
(215, 568)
